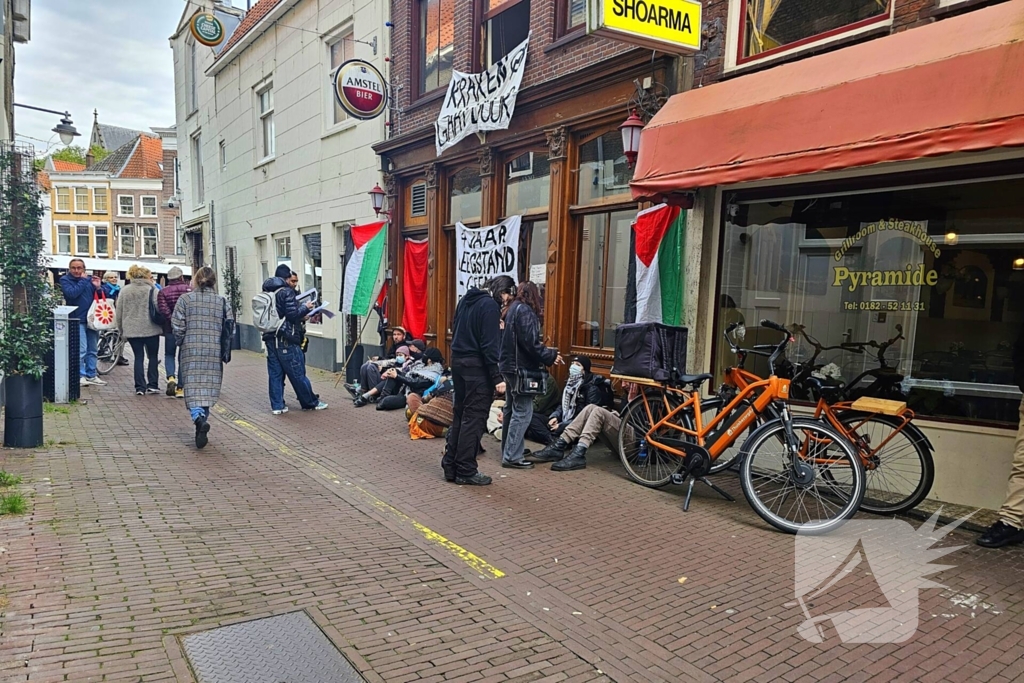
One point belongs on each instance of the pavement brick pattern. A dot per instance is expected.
(135, 540)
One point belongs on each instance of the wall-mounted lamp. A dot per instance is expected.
(1018, 263)
(952, 238)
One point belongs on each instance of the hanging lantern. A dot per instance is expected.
(377, 197)
(630, 130)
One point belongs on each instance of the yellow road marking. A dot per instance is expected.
(472, 560)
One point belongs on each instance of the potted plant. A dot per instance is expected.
(233, 292)
(25, 332)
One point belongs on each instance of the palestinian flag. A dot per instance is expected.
(364, 249)
(658, 235)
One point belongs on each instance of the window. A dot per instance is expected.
(192, 78)
(198, 187)
(772, 25)
(464, 201)
(534, 254)
(261, 252)
(179, 237)
(934, 269)
(436, 44)
(283, 249)
(126, 244)
(604, 268)
(604, 171)
(223, 149)
(148, 206)
(82, 240)
(102, 240)
(99, 200)
(312, 269)
(339, 51)
(63, 239)
(508, 24)
(266, 100)
(571, 15)
(125, 205)
(150, 238)
(81, 200)
(64, 199)
(528, 186)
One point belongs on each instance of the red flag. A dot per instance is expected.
(414, 287)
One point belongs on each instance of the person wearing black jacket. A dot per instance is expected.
(1009, 529)
(583, 389)
(521, 350)
(284, 348)
(476, 343)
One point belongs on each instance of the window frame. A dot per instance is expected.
(318, 322)
(98, 192)
(562, 28)
(67, 231)
(265, 151)
(81, 231)
(179, 237)
(56, 202)
(419, 56)
(88, 196)
(485, 28)
(142, 206)
(344, 35)
(124, 231)
(155, 237)
(736, 26)
(120, 212)
(198, 182)
(96, 240)
(222, 149)
(192, 78)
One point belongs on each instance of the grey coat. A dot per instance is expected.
(197, 321)
(131, 310)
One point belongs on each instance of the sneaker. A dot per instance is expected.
(352, 389)
(1000, 534)
(476, 480)
(279, 412)
(97, 381)
(360, 401)
(123, 361)
(521, 465)
(320, 406)
(140, 393)
(179, 393)
(172, 385)
(84, 382)
(152, 390)
(202, 429)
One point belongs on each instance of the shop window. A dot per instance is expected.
(604, 171)
(533, 253)
(63, 239)
(436, 47)
(507, 23)
(528, 185)
(939, 262)
(312, 269)
(770, 26)
(102, 241)
(464, 196)
(604, 268)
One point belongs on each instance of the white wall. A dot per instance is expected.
(320, 175)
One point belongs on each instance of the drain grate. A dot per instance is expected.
(285, 649)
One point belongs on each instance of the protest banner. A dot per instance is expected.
(481, 102)
(483, 253)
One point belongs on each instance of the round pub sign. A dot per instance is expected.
(360, 89)
(207, 29)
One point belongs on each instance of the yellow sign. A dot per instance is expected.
(667, 25)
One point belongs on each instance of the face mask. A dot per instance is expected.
(575, 370)
(415, 355)
(399, 358)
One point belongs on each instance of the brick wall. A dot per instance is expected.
(167, 216)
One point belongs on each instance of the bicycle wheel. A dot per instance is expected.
(822, 492)
(647, 464)
(901, 472)
(108, 352)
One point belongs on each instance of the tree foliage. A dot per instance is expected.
(75, 154)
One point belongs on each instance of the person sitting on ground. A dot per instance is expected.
(592, 423)
(415, 377)
(369, 372)
(582, 389)
(375, 392)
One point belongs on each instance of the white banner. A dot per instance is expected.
(483, 253)
(483, 101)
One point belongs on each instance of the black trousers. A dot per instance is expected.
(146, 379)
(474, 391)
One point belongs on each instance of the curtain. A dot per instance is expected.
(760, 13)
(414, 287)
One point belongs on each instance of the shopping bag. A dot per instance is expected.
(101, 313)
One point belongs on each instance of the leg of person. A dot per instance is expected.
(153, 354)
(369, 376)
(275, 373)
(479, 388)
(201, 419)
(506, 415)
(92, 342)
(539, 431)
(1009, 530)
(593, 428)
(565, 440)
(301, 360)
(610, 425)
(170, 356)
(139, 351)
(296, 375)
(83, 345)
(458, 413)
(515, 430)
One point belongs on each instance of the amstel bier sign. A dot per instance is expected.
(666, 25)
(360, 89)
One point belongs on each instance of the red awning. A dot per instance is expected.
(953, 86)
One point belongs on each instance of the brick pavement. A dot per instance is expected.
(136, 538)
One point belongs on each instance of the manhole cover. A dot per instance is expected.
(285, 649)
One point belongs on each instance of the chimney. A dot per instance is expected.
(89, 158)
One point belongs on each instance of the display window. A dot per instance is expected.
(924, 282)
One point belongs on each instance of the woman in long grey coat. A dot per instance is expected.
(198, 319)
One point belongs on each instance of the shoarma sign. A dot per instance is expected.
(667, 25)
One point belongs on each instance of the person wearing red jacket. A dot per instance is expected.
(166, 300)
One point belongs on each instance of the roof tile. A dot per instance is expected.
(252, 17)
(67, 166)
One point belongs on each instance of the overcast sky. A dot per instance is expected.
(109, 55)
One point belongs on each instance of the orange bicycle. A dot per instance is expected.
(798, 474)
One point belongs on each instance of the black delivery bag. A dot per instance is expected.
(650, 351)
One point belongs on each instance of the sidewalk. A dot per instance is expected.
(136, 539)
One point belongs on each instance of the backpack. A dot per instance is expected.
(264, 313)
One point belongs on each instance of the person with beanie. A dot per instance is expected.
(166, 300)
(594, 422)
(583, 388)
(384, 387)
(284, 347)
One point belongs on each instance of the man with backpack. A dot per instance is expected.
(280, 318)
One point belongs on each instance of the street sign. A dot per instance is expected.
(207, 29)
(360, 89)
(666, 25)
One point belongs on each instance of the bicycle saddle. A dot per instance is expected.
(695, 380)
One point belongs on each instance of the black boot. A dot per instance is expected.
(577, 460)
(1000, 534)
(202, 429)
(551, 453)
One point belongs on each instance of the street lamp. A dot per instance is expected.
(64, 129)
(630, 130)
(377, 197)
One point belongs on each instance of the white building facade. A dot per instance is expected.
(271, 169)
